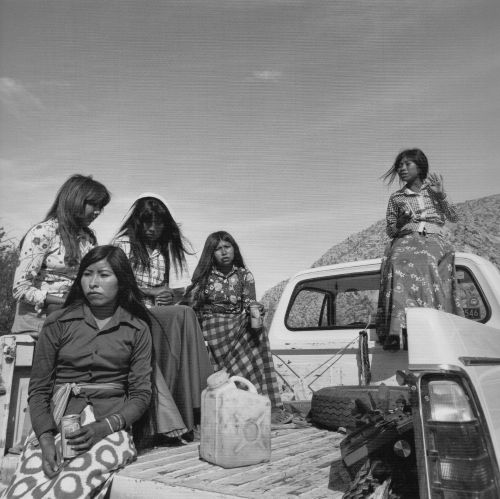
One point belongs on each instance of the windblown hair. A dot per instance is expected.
(129, 295)
(415, 155)
(147, 210)
(207, 262)
(68, 209)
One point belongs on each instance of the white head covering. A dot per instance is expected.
(152, 195)
(148, 195)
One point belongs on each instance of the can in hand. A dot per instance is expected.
(255, 317)
(69, 424)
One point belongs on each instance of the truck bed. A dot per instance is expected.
(299, 467)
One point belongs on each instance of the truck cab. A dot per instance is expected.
(315, 329)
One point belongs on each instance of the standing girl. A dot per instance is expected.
(93, 359)
(418, 269)
(222, 290)
(52, 249)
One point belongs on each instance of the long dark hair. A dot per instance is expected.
(207, 262)
(415, 155)
(68, 209)
(129, 295)
(171, 240)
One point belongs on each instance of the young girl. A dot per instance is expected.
(154, 243)
(222, 290)
(156, 248)
(52, 249)
(93, 358)
(418, 269)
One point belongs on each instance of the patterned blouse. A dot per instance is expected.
(146, 278)
(158, 273)
(41, 271)
(231, 293)
(430, 211)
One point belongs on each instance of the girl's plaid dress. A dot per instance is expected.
(233, 345)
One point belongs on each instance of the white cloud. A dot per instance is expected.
(267, 75)
(17, 99)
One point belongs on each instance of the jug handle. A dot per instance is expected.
(244, 381)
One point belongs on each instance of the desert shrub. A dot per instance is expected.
(8, 262)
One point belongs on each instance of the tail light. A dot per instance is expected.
(460, 459)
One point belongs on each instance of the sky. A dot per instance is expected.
(271, 119)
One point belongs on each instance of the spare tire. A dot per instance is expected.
(334, 407)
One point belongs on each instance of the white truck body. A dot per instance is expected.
(315, 328)
(452, 344)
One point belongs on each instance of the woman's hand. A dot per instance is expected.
(403, 218)
(262, 309)
(256, 331)
(164, 297)
(87, 436)
(436, 184)
(53, 302)
(51, 455)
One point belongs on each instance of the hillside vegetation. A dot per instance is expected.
(478, 231)
(8, 263)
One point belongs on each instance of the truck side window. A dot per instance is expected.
(471, 297)
(348, 301)
(356, 307)
(309, 310)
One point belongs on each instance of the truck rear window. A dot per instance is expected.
(350, 301)
(334, 302)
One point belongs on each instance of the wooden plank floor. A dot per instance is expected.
(299, 467)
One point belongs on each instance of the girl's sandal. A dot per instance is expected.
(280, 417)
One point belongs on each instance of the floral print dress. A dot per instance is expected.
(418, 267)
(417, 271)
(42, 270)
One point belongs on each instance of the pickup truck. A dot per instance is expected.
(451, 370)
(315, 327)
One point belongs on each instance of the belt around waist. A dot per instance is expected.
(77, 388)
(423, 232)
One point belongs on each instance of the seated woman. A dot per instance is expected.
(418, 269)
(93, 359)
(154, 243)
(221, 292)
(52, 249)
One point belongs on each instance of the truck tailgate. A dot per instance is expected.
(299, 467)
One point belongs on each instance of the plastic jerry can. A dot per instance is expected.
(235, 423)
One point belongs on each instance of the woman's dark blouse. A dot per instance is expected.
(72, 349)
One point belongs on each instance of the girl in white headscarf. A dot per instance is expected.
(157, 250)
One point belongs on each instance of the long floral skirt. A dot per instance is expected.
(242, 352)
(417, 271)
(87, 475)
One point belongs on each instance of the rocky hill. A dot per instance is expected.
(478, 231)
